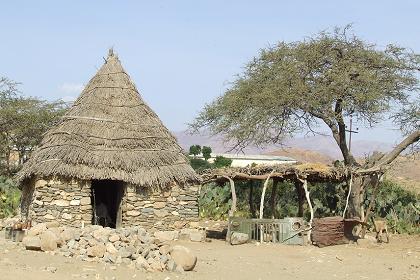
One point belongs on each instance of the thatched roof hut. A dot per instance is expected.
(110, 133)
(109, 149)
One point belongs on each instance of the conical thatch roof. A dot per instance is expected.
(110, 133)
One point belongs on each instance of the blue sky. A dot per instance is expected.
(181, 54)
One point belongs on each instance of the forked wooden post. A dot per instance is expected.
(233, 207)
(311, 209)
(262, 205)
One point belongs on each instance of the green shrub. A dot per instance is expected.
(215, 201)
(199, 164)
(9, 197)
(398, 206)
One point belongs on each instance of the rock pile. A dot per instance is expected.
(133, 246)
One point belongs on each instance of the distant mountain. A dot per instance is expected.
(302, 155)
(323, 145)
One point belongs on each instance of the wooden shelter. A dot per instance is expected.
(110, 161)
(298, 173)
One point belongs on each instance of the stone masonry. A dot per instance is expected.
(173, 208)
(66, 201)
(69, 203)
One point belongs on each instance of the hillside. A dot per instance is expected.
(302, 155)
(405, 170)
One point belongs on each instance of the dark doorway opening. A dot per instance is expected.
(106, 200)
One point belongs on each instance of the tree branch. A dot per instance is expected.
(410, 139)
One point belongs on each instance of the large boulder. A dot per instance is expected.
(183, 257)
(67, 234)
(32, 243)
(238, 238)
(48, 241)
(37, 229)
(96, 251)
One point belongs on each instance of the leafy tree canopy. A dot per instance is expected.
(291, 87)
(195, 150)
(206, 151)
(23, 120)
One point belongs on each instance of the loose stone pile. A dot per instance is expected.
(133, 246)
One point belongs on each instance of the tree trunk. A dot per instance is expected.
(355, 200)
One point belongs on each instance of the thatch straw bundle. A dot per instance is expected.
(110, 133)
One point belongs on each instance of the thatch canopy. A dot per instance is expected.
(312, 172)
(110, 133)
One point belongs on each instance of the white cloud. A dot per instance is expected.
(71, 88)
(69, 98)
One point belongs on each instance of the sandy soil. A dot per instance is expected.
(398, 260)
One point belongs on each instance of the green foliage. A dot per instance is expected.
(328, 199)
(23, 120)
(195, 150)
(199, 164)
(206, 151)
(399, 207)
(9, 197)
(215, 201)
(220, 162)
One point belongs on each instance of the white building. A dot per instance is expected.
(242, 160)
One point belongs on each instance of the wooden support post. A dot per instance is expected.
(273, 197)
(301, 197)
(262, 205)
(308, 199)
(233, 207)
(348, 195)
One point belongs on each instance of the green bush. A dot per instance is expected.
(9, 197)
(215, 201)
(398, 206)
(199, 164)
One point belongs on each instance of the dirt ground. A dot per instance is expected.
(398, 260)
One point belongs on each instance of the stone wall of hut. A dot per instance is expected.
(174, 208)
(69, 202)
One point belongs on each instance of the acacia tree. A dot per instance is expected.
(206, 151)
(23, 120)
(195, 150)
(293, 87)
